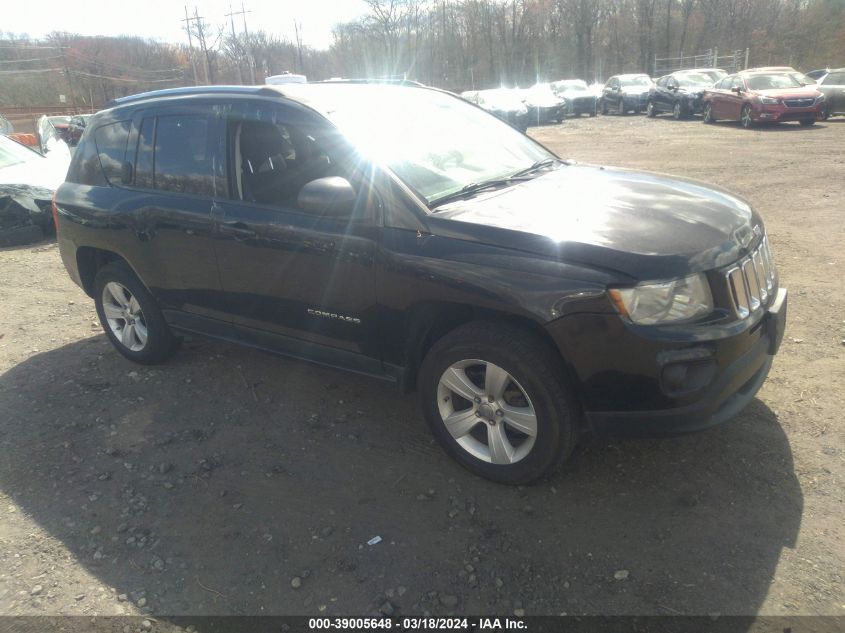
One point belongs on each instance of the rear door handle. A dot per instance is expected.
(237, 229)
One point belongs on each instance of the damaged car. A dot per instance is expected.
(27, 183)
(578, 97)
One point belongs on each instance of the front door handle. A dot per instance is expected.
(238, 230)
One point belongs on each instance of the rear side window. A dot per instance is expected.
(111, 143)
(182, 153)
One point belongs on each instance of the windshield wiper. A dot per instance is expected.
(475, 187)
(540, 164)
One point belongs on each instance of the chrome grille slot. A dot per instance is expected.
(751, 281)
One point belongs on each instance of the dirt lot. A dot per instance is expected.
(232, 482)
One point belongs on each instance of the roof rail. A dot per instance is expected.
(185, 90)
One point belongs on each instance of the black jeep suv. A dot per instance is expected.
(403, 233)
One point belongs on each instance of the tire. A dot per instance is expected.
(649, 110)
(677, 111)
(528, 371)
(594, 111)
(708, 114)
(824, 115)
(807, 122)
(745, 119)
(133, 314)
(604, 107)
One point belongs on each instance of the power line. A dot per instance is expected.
(32, 59)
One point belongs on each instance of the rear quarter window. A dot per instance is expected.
(111, 143)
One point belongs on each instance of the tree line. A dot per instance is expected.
(454, 44)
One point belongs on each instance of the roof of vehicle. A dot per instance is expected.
(626, 75)
(318, 95)
(785, 69)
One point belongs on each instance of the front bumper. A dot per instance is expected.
(778, 112)
(629, 381)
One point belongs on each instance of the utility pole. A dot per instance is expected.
(67, 76)
(250, 55)
(187, 22)
(209, 73)
(235, 43)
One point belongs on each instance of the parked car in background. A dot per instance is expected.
(789, 70)
(27, 183)
(752, 97)
(75, 128)
(625, 93)
(504, 103)
(818, 73)
(715, 74)
(544, 106)
(832, 86)
(679, 93)
(527, 299)
(579, 99)
(6, 126)
(60, 123)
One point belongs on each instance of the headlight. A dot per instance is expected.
(769, 100)
(665, 302)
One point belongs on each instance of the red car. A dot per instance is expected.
(752, 97)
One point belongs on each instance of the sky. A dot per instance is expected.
(160, 19)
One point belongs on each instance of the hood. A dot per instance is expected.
(637, 223)
(807, 92)
(635, 90)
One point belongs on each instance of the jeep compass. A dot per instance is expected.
(403, 233)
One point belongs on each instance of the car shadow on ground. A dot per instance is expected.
(206, 485)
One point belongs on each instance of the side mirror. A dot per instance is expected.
(736, 89)
(332, 196)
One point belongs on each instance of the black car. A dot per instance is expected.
(679, 93)
(832, 86)
(527, 298)
(504, 103)
(625, 93)
(579, 100)
(75, 128)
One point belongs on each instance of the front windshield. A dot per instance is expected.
(772, 82)
(635, 81)
(436, 143)
(694, 79)
(12, 153)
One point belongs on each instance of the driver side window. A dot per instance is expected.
(274, 154)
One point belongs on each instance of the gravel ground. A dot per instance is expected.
(232, 482)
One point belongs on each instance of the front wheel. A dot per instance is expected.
(677, 111)
(130, 316)
(824, 114)
(649, 109)
(496, 400)
(604, 107)
(708, 114)
(745, 118)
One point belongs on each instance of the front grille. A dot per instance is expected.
(799, 103)
(751, 281)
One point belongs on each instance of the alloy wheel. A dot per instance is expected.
(746, 117)
(676, 111)
(124, 316)
(487, 412)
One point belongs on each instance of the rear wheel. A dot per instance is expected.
(604, 107)
(708, 113)
(130, 316)
(745, 118)
(824, 114)
(496, 400)
(649, 109)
